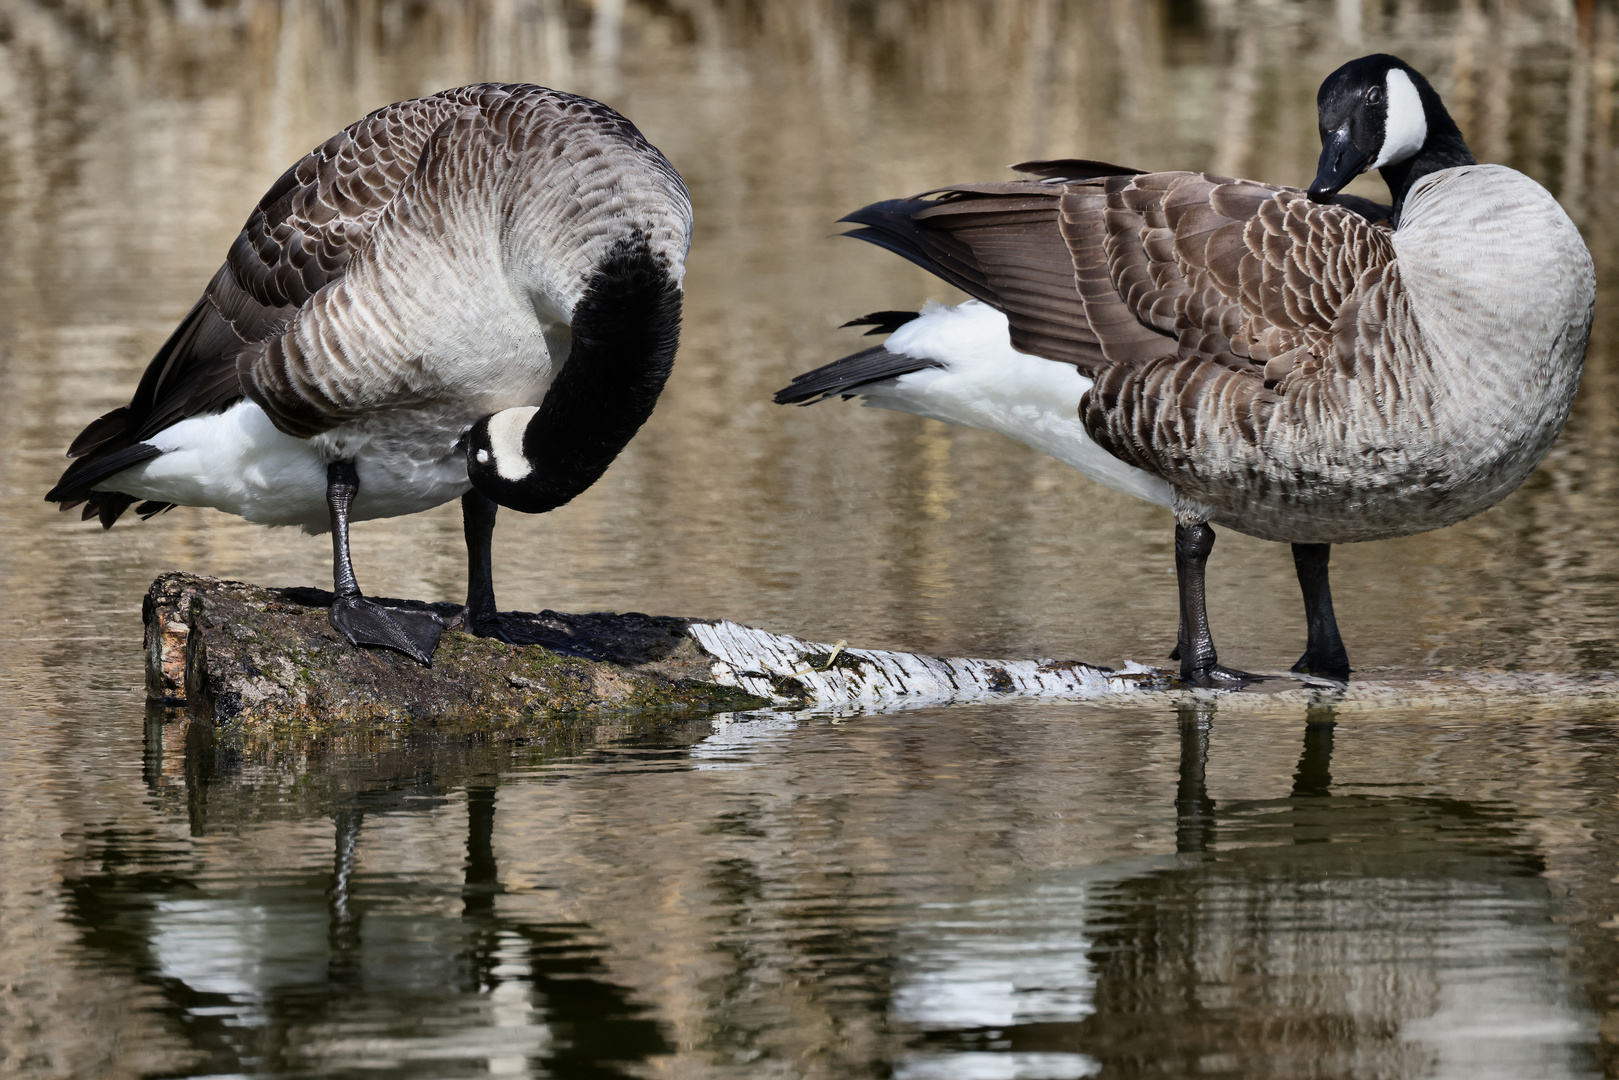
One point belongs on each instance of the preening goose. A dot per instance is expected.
(1300, 366)
(472, 294)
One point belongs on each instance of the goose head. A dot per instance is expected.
(497, 463)
(1378, 112)
(624, 330)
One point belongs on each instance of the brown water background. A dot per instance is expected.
(1016, 891)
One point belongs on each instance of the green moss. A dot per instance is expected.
(788, 687)
(273, 669)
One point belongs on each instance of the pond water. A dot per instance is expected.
(1019, 890)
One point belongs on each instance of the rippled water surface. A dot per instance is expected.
(1024, 890)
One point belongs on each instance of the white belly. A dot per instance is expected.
(236, 461)
(987, 384)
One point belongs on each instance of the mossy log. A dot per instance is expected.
(238, 654)
(267, 661)
(234, 654)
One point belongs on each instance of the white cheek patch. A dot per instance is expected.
(1405, 128)
(506, 442)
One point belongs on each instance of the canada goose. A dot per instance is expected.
(472, 294)
(1301, 366)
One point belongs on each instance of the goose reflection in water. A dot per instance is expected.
(1266, 946)
(1325, 933)
(357, 971)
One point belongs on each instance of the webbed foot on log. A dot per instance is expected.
(366, 622)
(1218, 677)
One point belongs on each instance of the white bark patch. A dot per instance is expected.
(774, 666)
(506, 442)
(1405, 127)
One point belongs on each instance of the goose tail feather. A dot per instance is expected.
(847, 375)
(79, 481)
(893, 225)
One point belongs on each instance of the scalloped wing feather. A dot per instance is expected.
(1260, 287)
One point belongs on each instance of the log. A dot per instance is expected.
(265, 661)
(244, 656)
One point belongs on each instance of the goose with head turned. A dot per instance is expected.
(472, 294)
(1301, 366)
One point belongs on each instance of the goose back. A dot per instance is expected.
(1294, 370)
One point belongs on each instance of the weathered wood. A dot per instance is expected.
(244, 655)
(239, 654)
(787, 669)
(266, 660)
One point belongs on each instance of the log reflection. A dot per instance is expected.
(288, 970)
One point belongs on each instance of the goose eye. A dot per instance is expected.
(1374, 95)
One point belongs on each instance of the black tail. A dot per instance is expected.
(881, 322)
(78, 485)
(896, 225)
(194, 372)
(863, 368)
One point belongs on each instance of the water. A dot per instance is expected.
(1019, 890)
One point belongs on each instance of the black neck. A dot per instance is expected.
(625, 330)
(1444, 148)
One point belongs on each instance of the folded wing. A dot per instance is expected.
(1190, 299)
(300, 238)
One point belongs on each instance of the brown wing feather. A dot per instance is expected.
(299, 238)
(998, 242)
(1261, 288)
(1192, 300)
(1143, 280)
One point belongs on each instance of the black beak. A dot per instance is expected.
(1341, 162)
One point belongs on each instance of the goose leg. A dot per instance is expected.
(480, 617)
(1195, 647)
(478, 520)
(1324, 652)
(362, 621)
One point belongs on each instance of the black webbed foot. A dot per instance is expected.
(366, 622)
(486, 626)
(1325, 664)
(492, 626)
(1219, 677)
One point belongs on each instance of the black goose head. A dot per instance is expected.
(1378, 112)
(497, 463)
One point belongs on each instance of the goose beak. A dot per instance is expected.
(1341, 162)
